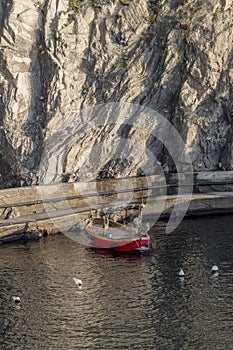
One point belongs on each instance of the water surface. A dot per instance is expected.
(127, 302)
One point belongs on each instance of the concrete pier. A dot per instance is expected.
(52, 206)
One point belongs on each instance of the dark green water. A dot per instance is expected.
(127, 302)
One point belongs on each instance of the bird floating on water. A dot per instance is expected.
(214, 269)
(16, 300)
(181, 273)
(78, 282)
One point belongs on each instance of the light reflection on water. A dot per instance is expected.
(127, 302)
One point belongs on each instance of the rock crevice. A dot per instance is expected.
(174, 57)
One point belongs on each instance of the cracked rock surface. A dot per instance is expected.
(174, 57)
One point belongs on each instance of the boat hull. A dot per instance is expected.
(139, 245)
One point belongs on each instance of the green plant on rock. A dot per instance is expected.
(76, 5)
(128, 64)
(124, 2)
(194, 9)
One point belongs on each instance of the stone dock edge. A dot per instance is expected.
(55, 210)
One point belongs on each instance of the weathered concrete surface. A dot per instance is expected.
(21, 201)
(56, 210)
(211, 203)
(61, 221)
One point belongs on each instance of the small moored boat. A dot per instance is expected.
(104, 233)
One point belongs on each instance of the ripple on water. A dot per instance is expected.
(135, 302)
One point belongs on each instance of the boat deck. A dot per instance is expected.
(116, 233)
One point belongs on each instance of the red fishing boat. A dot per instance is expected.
(118, 237)
(125, 237)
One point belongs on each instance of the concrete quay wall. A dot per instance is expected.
(47, 207)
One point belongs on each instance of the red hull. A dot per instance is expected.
(138, 245)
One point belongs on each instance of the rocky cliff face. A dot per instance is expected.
(58, 57)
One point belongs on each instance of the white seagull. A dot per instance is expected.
(181, 273)
(214, 269)
(16, 300)
(78, 282)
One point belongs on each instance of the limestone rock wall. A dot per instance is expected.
(173, 56)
